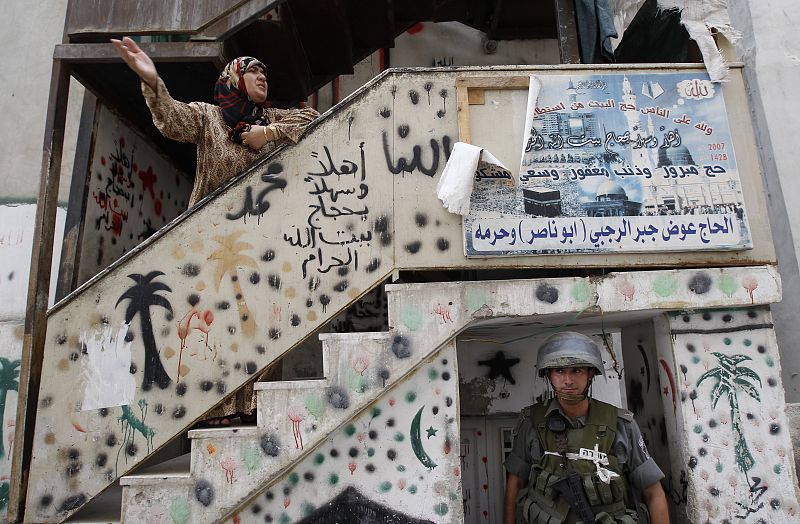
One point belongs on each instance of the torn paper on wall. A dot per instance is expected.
(455, 186)
(106, 369)
(700, 17)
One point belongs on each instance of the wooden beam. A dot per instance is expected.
(158, 51)
(568, 44)
(38, 287)
(69, 268)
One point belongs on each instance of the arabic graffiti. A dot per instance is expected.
(403, 165)
(132, 192)
(336, 225)
(258, 206)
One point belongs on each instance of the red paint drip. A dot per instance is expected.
(416, 28)
(671, 385)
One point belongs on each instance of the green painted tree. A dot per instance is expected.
(142, 297)
(730, 379)
(9, 381)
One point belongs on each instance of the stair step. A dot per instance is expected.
(175, 470)
(105, 508)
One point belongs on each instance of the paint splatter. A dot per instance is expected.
(665, 285)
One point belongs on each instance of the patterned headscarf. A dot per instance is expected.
(230, 94)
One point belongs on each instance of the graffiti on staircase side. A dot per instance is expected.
(131, 424)
(259, 204)
(132, 193)
(336, 226)
(394, 459)
(229, 258)
(141, 297)
(405, 165)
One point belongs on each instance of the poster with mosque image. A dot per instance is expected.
(615, 162)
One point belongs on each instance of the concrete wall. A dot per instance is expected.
(771, 55)
(725, 412)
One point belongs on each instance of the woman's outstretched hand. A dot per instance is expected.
(137, 60)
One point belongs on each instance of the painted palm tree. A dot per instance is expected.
(142, 297)
(229, 258)
(9, 381)
(730, 378)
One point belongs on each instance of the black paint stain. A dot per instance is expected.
(274, 333)
(72, 503)
(373, 265)
(193, 299)
(401, 346)
(337, 397)
(313, 283)
(221, 387)
(190, 270)
(403, 130)
(343, 271)
(268, 256)
(414, 96)
(45, 501)
(131, 449)
(385, 112)
(255, 278)
(547, 293)
(421, 219)
(222, 306)
(250, 367)
(206, 385)
(295, 320)
(442, 244)
(341, 286)
(700, 283)
(179, 412)
(382, 229)
(111, 440)
(180, 389)
(46, 402)
(413, 247)
(101, 460)
(270, 445)
(274, 282)
(324, 300)
(204, 492)
(61, 339)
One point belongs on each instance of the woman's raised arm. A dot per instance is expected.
(137, 60)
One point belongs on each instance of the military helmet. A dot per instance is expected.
(569, 349)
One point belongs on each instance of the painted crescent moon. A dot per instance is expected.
(416, 442)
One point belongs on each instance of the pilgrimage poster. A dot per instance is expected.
(615, 162)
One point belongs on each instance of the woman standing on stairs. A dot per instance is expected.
(230, 136)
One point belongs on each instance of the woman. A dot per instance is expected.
(230, 136)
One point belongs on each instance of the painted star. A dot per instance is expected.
(431, 432)
(500, 365)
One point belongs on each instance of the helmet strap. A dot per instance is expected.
(572, 397)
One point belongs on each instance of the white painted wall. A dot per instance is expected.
(771, 53)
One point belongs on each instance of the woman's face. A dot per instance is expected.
(255, 82)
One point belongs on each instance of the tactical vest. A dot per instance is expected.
(539, 504)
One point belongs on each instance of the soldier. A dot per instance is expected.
(575, 458)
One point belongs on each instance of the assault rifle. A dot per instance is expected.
(570, 488)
